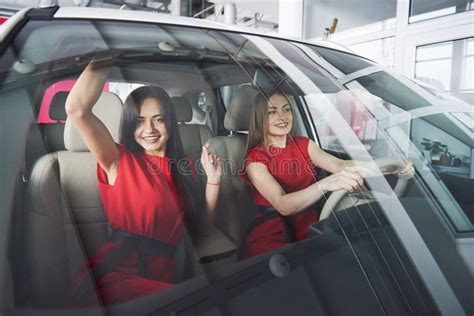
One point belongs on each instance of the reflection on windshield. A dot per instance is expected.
(442, 152)
(440, 133)
(465, 119)
(382, 110)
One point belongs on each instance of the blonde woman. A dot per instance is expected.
(280, 169)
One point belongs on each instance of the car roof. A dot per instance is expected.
(90, 13)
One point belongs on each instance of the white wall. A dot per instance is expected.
(318, 14)
(291, 18)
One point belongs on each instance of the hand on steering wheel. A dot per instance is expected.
(349, 179)
(406, 173)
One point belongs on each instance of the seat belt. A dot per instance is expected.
(207, 118)
(19, 268)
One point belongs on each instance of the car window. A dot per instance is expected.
(61, 39)
(383, 252)
(234, 61)
(450, 159)
(381, 110)
(190, 74)
(341, 113)
(391, 90)
(345, 62)
(268, 76)
(355, 114)
(440, 138)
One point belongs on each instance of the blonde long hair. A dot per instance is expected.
(258, 126)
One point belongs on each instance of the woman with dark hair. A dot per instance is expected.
(280, 169)
(148, 188)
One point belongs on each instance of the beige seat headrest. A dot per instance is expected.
(108, 109)
(240, 109)
(183, 108)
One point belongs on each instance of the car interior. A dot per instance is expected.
(63, 222)
(58, 219)
(63, 219)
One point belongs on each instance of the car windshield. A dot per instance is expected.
(399, 245)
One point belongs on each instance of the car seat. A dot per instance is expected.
(64, 218)
(235, 205)
(193, 136)
(212, 247)
(53, 132)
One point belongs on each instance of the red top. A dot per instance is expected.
(144, 198)
(291, 166)
(293, 170)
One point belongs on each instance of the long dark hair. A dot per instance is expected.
(181, 168)
(258, 127)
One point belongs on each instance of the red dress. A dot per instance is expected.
(293, 170)
(143, 200)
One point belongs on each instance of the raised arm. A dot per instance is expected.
(79, 104)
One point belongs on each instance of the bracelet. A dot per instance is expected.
(212, 183)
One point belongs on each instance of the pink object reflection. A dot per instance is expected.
(66, 85)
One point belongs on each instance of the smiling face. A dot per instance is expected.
(151, 132)
(280, 117)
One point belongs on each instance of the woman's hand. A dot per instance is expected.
(408, 171)
(349, 179)
(405, 172)
(212, 165)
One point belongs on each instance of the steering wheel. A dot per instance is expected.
(336, 197)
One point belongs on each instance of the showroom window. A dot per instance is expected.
(434, 65)
(467, 81)
(380, 50)
(446, 66)
(421, 10)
